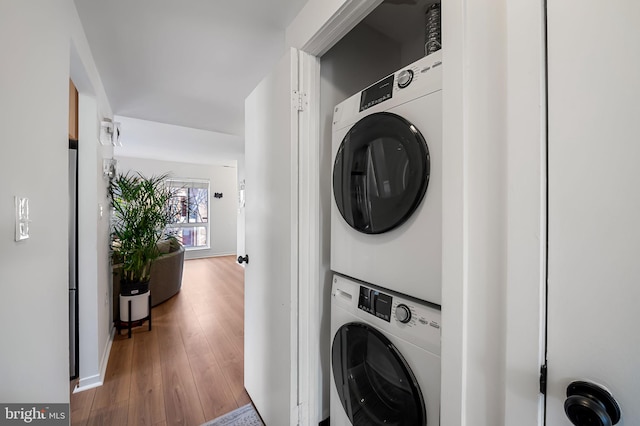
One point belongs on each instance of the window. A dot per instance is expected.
(191, 202)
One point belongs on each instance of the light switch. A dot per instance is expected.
(22, 218)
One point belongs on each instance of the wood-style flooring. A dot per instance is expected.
(189, 368)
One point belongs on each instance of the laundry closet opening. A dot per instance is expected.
(380, 70)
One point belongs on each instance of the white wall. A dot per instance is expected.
(412, 50)
(359, 59)
(94, 273)
(36, 39)
(223, 212)
(167, 142)
(474, 212)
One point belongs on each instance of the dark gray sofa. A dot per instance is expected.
(166, 276)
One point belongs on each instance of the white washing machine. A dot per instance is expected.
(386, 213)
(385, 357)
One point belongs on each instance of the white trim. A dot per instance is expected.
(454, 218)
(94, 381)
(525, 297)
(309, 227)
(295, 246)
(343, 21)
(191, 255)
(310, 319)
(189, 180)
(97, 380)
(198, 248)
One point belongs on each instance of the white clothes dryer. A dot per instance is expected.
(385, 358)
(386, 212)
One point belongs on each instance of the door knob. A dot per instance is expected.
(588, 404)
(244, 259)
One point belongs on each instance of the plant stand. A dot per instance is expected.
(132, 318)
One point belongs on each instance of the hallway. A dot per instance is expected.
(189, 368)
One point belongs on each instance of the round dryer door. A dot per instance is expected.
(380, 173)
(374, 383)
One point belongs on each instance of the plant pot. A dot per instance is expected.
(132, 288)
(139, 306)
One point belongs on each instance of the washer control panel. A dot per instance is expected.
(406, 318)
(375, 302)
(384, 306)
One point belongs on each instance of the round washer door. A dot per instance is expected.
(381, 173)
(374, 382)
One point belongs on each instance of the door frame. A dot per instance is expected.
(501, 163)
(526, 160)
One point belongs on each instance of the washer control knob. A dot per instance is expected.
(404, 78)
(403, 313)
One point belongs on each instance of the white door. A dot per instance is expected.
(271, 152)
(594, 205)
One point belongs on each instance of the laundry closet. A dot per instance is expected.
(381, 191)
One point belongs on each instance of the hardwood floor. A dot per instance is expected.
(189, 368)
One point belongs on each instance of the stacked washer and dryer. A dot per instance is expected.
(386, 250)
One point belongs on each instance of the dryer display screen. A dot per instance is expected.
(375, 303)
(379, 92)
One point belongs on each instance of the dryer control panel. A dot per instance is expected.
(379, 92)
(415, 80)
(385, 89)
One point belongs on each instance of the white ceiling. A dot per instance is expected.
(188, 62)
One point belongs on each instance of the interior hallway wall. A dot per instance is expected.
(36, 39)
(95, 323)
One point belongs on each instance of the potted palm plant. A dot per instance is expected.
(142, 208)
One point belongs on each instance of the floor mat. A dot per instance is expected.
(243, 416)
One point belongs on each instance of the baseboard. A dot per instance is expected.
(107, 352)
(97, 380)
(195, 255)
(88, 383)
